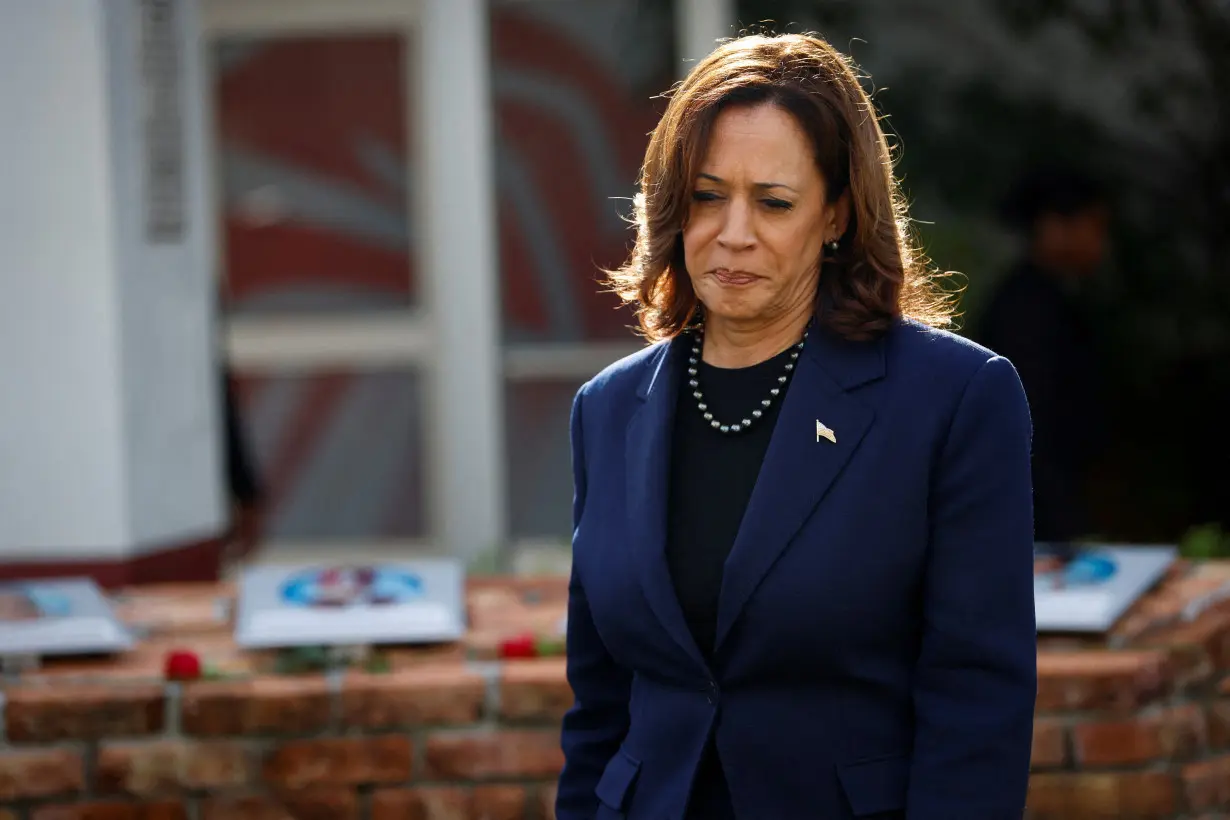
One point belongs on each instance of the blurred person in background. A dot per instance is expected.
(802, 577)
(1037, 321)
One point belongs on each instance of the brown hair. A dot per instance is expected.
(876, 275)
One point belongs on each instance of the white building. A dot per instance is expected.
(402, 203)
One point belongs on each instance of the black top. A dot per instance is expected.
(712, 476)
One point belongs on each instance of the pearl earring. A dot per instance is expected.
(833, 246)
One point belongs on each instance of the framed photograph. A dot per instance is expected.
(58, 617)
(1085, 588)
(411, 602)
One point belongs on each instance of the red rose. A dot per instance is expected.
(182, 665)
(522, 646)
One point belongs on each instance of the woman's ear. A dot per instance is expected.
(839, 215)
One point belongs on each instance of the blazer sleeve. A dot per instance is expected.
(596, 724)
(976, 680)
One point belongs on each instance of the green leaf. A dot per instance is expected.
(378, 664)
(1204, 542)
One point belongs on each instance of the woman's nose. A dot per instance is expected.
(736, 230)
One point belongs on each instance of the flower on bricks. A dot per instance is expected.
(183, 665)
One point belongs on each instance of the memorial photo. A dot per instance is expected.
(351, 586)
(22, 603)
(1085, 588)
(334, 604)
(63, 616)
(1056, 569)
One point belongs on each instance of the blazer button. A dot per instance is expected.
(712, 693)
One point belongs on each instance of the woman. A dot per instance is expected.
(803, 566)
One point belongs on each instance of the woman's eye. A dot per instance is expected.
(778, 204)
(704, 196)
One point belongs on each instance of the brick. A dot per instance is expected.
(423, 803)
(45, 714)
(1219, 725)
(1207, 784)
(176, 610)
(1050, 744)
(546, 799)
(450, 803)
(500, 803)
(173, 766)
(1206, 641)
(415, 697)
(37, 773)
(339, 762)
(1172, 734)
(113, 810)
(413, 657)
(1118, 681)
(309, 804)
(1210, 631)
(1165, 603)
(496, 600)
(401, 658)
(1097, 795)
(494, 754)
(1190, 668)
(1217, 569)
(535, 690)
(270, 705)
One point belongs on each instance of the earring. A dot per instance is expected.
(833, 246)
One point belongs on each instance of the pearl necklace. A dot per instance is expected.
(743, 424)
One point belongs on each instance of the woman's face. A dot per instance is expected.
(759, 218)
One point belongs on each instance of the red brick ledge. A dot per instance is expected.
(1133, 725)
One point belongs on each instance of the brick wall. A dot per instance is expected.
(1136, 725)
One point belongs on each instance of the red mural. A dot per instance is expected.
(314, 112)
(301, 104)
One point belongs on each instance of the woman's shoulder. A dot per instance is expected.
(935, 354)
(944, 371)
(622, 379)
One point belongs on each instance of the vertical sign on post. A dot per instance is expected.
(161, 79)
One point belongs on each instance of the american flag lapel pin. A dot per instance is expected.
(824, 432)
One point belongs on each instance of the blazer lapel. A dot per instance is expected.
(648, 451)
(799, 467)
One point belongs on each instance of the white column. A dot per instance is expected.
(699, 24)
(108, 392)
(456, 210)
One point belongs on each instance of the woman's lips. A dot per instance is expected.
(733, 278)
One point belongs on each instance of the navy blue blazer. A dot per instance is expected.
(876, 643)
